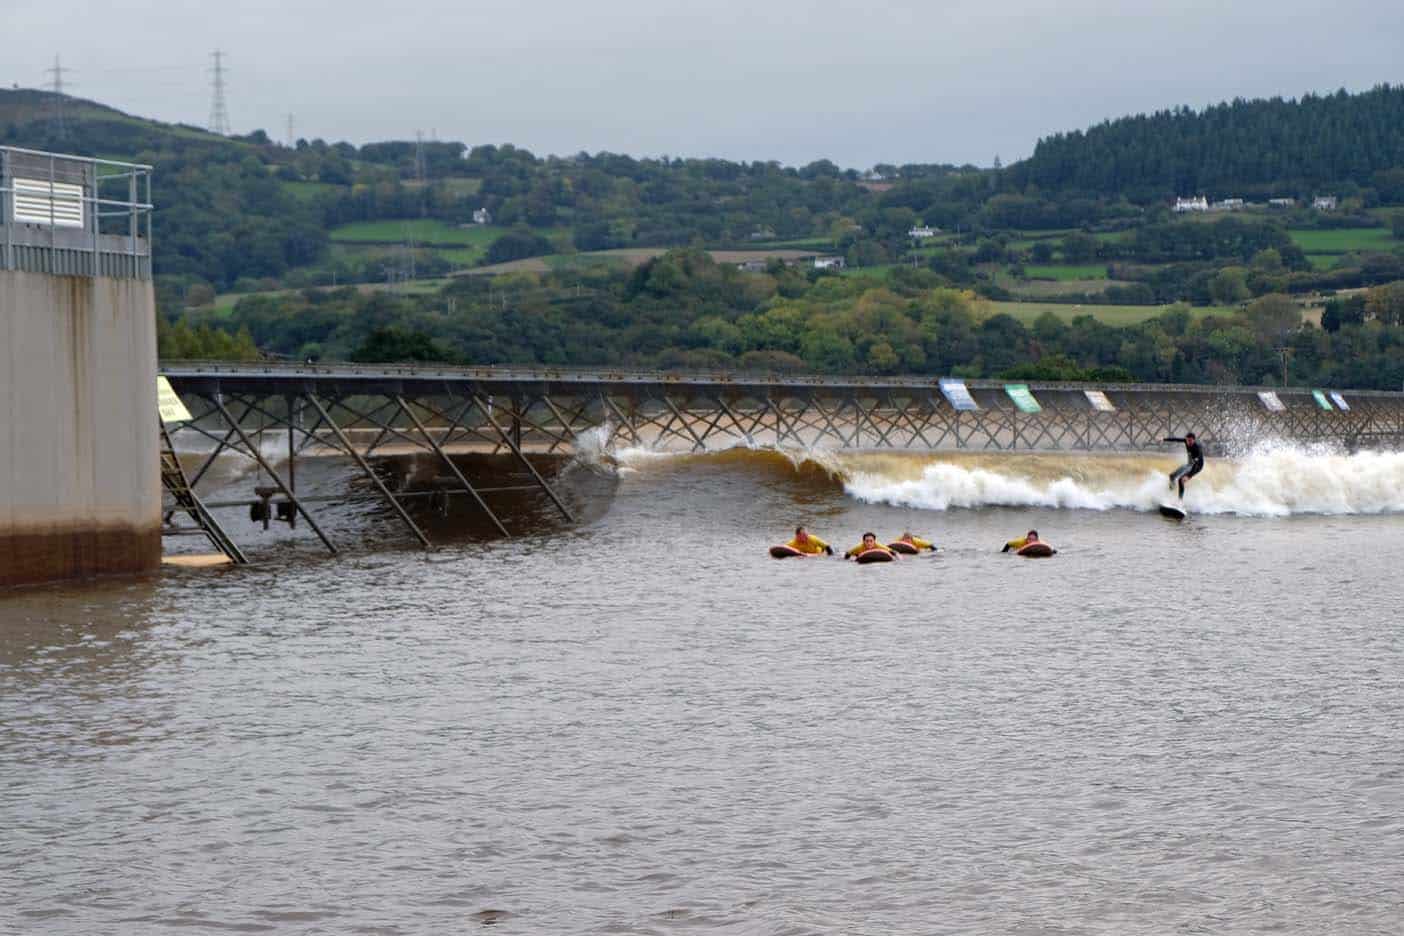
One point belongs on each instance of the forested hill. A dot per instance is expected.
(1239, 149)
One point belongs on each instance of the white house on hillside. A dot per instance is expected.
(922, 232)
(482, 216)
(1324, 203)
(1199, 203)
(828, 263)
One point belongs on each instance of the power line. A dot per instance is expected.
(219, 111)
(57, 124)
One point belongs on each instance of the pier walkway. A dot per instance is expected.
(363, 412)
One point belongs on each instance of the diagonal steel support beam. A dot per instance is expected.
(516, 450)
(783, 429)
(454, 424)
(567, 424)
(258, 457)
(624, 421)
(382, 423)
(365, 467)
(175, 483)
(714, 426)
(736, 420)
(205, 466)
(451, 466)
(697, 444)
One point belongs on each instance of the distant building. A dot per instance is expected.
(753, 266)
(1228, 204)
(828, 263)
(1282, 202)
(923, 232)
(761, 234)
(1199, 203)
(1324, 203)
(482, 216)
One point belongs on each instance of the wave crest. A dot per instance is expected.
(1272, 480)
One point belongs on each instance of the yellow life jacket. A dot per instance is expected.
(916, 541)
(861, 548)
(812, 546)
(1017, 544)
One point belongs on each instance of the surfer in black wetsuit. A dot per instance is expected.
(1190, 468)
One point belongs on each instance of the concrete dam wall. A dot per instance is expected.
(79, 445)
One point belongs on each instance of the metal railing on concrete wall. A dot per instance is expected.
(71, 215)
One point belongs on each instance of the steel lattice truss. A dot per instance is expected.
(365, 413)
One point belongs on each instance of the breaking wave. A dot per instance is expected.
(1270, 480)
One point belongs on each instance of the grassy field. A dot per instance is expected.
(812, 244)
(1117, 315)
(882, 272)
(224, 303)
(625, 256)
(1054, 290)
(1023, 240)
(937, 246)
(463, 246)
(457, 185)
(306, 191)
(421, 230)
(1090, 271)
(1345, 240)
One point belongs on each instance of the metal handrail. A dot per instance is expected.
(88, 174)
(92, 160)
(595, 375)
(94, 200)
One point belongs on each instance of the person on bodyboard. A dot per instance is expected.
(869, 544)
(807, 543)
(1029, 545)
(1190, 468)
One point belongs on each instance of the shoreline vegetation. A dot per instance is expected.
(685, 310)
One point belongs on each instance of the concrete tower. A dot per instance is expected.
(79, 448)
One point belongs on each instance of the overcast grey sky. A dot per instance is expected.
(858, 83)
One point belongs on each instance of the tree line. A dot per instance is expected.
(246, 213)
(1242, 148)
(682, 310)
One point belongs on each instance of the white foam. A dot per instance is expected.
(1271, 480)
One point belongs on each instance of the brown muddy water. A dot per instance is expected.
(642, 724)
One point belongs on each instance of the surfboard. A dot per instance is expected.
(1037, 551)
(873, 555)
(1172, 512)
(785, 552)
(906, 549)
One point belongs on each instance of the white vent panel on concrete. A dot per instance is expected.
(37, 201)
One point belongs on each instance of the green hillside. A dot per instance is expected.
(1242, 148)
(335, 249)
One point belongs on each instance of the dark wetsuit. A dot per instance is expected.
(1190, 468)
